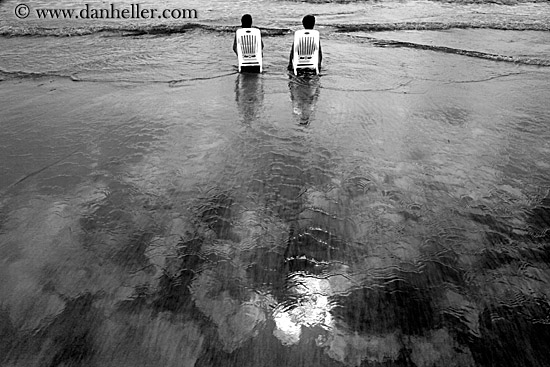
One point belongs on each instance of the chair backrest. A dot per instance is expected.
(306, 49)
(249, 47)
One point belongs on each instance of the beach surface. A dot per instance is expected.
(157, 208)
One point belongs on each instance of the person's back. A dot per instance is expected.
(308, 22)
(246, 22)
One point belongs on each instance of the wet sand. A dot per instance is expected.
(158, 225)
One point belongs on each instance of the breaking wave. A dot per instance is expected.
(6, 75)
(437, 26)
(458, 51)
(132, 30)
(168, 29)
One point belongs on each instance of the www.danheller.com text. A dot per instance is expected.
(89, 11)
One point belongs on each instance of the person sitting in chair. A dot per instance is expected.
(309, 22)
(246, 22)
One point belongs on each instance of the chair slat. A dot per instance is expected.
(307, 46)
(248, 45)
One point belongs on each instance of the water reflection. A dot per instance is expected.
(269, 249)
(304, 92)
(249, 95)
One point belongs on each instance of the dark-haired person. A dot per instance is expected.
(308, 22)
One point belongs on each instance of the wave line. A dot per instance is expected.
(125, 31)
(438, 26)
(458, 51)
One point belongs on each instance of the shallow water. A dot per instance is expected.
(159, 209)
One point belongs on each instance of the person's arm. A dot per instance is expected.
(320, 55)
(290, 58)
(262, 48)
(235, 44)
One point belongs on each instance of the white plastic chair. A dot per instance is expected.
(249, 47)
(306, 50)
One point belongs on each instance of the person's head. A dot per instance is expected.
(246, 21)
(308, 21)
